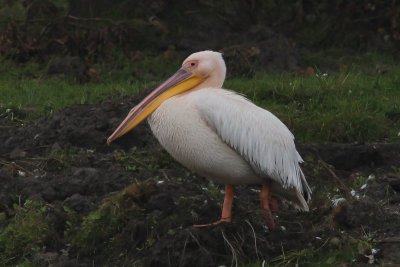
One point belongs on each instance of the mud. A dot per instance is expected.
(114, 205)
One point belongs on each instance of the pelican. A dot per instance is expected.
(222, 136)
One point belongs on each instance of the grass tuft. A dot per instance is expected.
(25, 234)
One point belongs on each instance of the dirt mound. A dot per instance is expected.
(131, 204)
(83, 126)
(352, 156)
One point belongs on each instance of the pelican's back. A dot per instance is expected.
(256, 134)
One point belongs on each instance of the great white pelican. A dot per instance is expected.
(221, 135)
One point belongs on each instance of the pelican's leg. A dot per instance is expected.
(267, 204)
(273, 204)
(226, 213)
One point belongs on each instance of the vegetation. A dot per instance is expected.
(26, 234)
(349, 106)
(327, 77)
(91, 29)
(125, 217)
(360, 103)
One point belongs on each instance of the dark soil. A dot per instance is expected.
(146, 203)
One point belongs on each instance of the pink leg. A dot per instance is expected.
(273, 204)
(226, 214)
(266, 205)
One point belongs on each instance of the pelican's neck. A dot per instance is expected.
(216, 80)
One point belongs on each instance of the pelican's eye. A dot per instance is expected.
(190, 65)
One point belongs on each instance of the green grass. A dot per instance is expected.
(45, 95)
(25, 88)
(361, 103)
(25, 234)
(341, 107)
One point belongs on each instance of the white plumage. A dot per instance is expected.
(221, 135)
(225, 137)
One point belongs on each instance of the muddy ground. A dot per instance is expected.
(130, 204)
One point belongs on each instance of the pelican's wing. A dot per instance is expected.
(256, 134)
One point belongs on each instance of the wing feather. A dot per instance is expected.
(256, 134)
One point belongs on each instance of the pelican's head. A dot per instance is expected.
(199, 70)
(207, 64)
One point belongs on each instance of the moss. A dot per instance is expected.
(99, 229)
(25, 234)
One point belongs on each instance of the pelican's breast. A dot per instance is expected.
(179, 128)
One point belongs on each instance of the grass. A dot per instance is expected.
(44, 96)
(360, 103)
(108, 229)
(24, 88)
(102, 229)
(25, 234)
(323, 257)
(341, 107)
